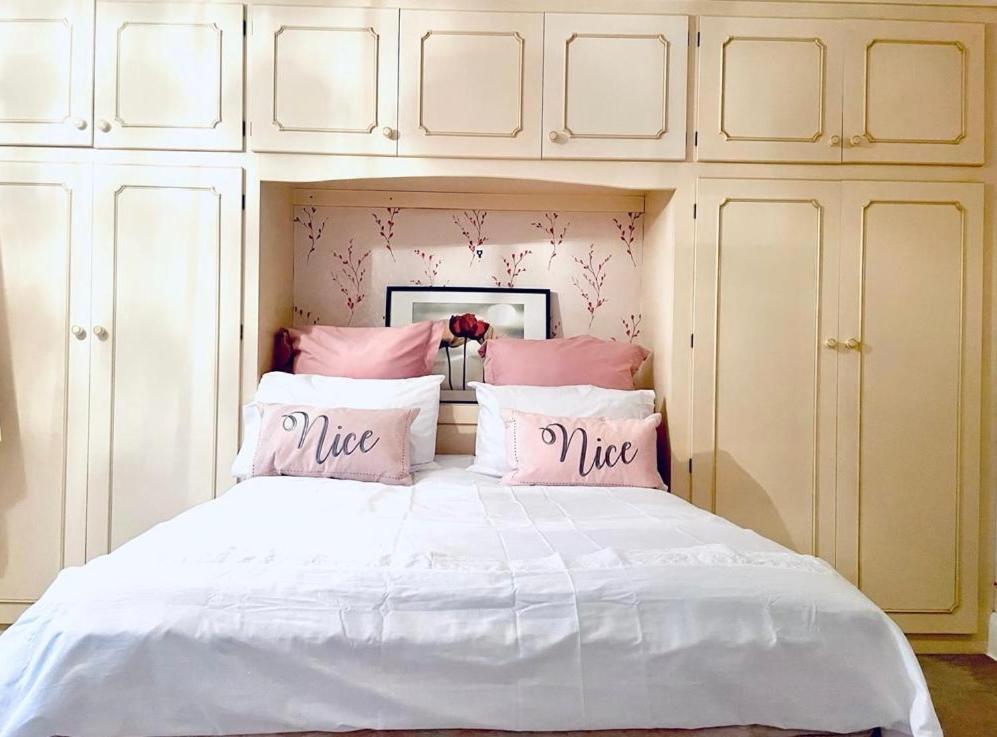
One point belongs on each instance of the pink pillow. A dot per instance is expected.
(355, 444)
(562, 362)
(367, 353)
(581, 451)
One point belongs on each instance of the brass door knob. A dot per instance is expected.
(834, 141)
(388, 132)
(853, 344)
(857, 140)
(78, 332)
(831, 343)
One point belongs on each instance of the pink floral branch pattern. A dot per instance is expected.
(313, 229)
(628, 233)
(631, 326)
(349, 275)
(471, 224)
(430, 268)
(555, 237)
(591, 281)
(306, 317)
(513, 268)
(386, 227)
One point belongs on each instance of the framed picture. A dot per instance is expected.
(473, 315)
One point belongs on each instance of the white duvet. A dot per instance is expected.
(295, 604)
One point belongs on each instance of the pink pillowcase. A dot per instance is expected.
(367, 353)
(354, 444)
(581, 451)
(562, 362)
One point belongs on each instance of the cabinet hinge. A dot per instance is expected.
(245, 27)
(690, 466)
(697, 39)
(242, 331)
(244, 129)
(694, 208)
(695, 138)
(244, 202)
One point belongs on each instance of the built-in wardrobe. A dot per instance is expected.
(817, 269)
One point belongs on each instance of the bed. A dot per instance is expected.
(294, 604)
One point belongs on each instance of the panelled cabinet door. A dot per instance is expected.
(164, 398)
(769, 90)
(46, 66)
(914, 92)
(469, 84)
(323, 80)
(168, 76)
(614, 86)
(44, 365)
(909, 399)
(766, 303)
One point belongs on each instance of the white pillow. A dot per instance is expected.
(559, 401)
(278, 387)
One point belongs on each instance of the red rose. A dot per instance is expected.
(468, 326)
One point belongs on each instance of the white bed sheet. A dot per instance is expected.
(293, 604)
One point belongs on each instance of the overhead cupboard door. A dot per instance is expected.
(323, 80)
(913, 92)
(769, 90)
(614, 86)
(168, 76)
(44, 316)
(164, 399)
(46, 69)
(469, 84)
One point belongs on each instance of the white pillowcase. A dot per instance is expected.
(422, 392)
(559, 401)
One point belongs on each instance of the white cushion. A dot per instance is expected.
(277, 387)
(557, 401)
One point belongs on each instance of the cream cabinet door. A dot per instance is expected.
(469, 84)
(914, 92)
(164, 398)
(46, 66)
(909, 399)
(44, 369)
(168, 76)
(764, 401)
(614, 86)
(769, 90)
(323, 80)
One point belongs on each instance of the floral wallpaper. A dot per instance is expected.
(344, 257)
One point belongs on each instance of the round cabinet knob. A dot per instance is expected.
(853, 344)
(857, 140)
(831, 343)
(388, 132)
(834, 141)
(78, 332)
(557, 136)
(103, 126)
(100, 331)
(78, 123)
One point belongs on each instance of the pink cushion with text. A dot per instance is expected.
(355, 444)
(367, 353)
(581, 451)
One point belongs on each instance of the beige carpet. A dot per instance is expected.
(964, 689)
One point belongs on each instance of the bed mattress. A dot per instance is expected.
(292, 604)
